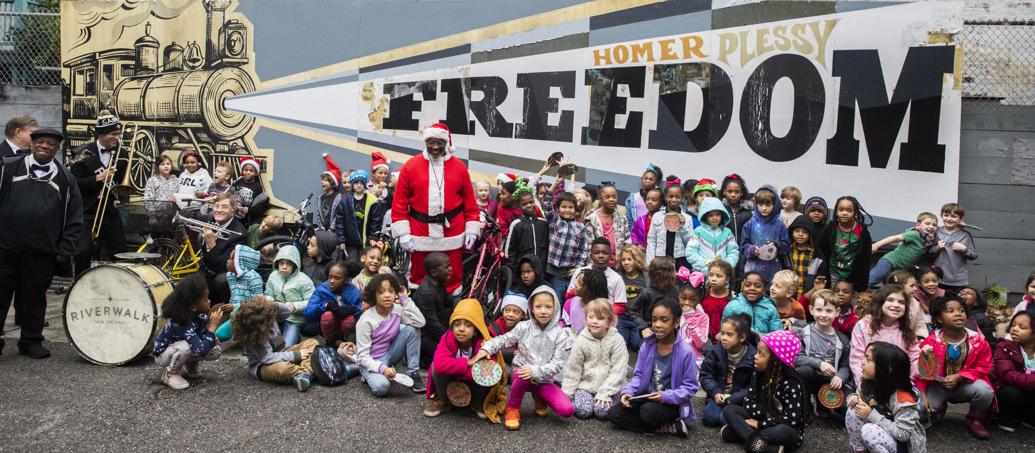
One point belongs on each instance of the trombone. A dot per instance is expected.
(199, 226)
(107, 187)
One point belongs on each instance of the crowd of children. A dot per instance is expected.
(708, 286)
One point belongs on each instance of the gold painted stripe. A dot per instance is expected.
(545, 19)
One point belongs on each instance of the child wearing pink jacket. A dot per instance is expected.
(693, 329)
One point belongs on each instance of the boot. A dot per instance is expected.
(512, 418)
(174, 381)
(541, 409)
(976, 421)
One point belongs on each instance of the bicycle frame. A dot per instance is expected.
(186, 262)
(493, 241)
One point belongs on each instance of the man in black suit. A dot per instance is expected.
(90, 164)
(18, 134)
(41, 215)
(215, 251)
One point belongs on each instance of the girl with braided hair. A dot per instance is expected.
(772, 418)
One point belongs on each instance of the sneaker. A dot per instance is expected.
(435, 407)
(666, 429)
(34, 350)
(1007, 426)
(418, 384)
(681, 429)
(301, 381)
(193, 369)
(541, 410)
(1028, 425)
(174, 381)
(726, 434)
(480, 414)
(512, 418)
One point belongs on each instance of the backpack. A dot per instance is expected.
(328, 367)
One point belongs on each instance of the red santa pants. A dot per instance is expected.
(417, 271)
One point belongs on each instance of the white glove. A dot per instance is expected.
(469, 241)
(406, 242)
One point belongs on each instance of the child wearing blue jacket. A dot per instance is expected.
(335, 305)
(245, 283)
(764, 242)
(752, 302)
(714, 240)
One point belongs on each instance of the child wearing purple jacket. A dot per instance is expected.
(664, 381)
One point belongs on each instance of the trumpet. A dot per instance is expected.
(200, 226)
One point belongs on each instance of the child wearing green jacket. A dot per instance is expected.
(289, 285)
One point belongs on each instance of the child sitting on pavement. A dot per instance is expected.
(187, 337)
(386, 333)
(596, 365)
(335, 305)
(290, 286)
(256, 331)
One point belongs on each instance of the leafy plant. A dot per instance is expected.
(995, 295)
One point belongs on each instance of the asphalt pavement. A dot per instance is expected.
(64, 403)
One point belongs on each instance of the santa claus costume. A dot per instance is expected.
(434, 208)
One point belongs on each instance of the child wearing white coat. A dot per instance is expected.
(597, 363)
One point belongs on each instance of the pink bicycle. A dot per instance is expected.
(486, 274)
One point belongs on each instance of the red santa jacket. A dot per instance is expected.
(433, 189)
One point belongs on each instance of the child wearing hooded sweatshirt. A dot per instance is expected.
(335, 304)
(763, 241)
(319, 255)
(467, 332)
(542, 350)
(715, 241)
(290, 286)
(244, 282)
(805, 258)
(752, 302)
(529, 275)
(596, 366)
(734, 193)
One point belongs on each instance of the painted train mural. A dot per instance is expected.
(169, 99)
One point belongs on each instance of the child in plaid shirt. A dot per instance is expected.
(569, 246)
(803, 255)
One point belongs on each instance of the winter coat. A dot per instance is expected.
(905, 424)
(528, 236)
(195, 332)
(544, 350)
(716, 365)
(245, 283)
(757, 232)
(295, 290)
(317, 268)
(323, 299)
(713, 242)
(764, 316)
(345, 225)
(821, 225)
(738, 215)
(680, 389)
(436, 306)
(657, 237)
(640, 229)
(1009, 369)
(635, 207)
(693, 329)
(595, 229)
(976, 367)
(789, 397)
(862, 336)
(446, 362)
(596, 365)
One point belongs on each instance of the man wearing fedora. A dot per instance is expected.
(90, 164)
(41, 214)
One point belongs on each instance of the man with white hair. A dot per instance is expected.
(434, 208)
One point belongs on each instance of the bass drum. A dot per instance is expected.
(113, 311)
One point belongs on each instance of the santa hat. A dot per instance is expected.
(248, 161)
(506, 177)
(332, 169)
(441, 132)
(378, 160)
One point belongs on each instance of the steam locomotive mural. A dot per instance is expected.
(169, 99)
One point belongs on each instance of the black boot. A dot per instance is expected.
(34, 350)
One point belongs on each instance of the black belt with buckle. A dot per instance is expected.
(437, 218)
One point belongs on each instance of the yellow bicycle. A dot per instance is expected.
(177, 257)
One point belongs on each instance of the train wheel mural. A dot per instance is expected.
(145, 152)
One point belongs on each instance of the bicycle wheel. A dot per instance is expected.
(400, 260)
(168, 250)
(467, 278)
(495, 286)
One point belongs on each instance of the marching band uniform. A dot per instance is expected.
(87, 162)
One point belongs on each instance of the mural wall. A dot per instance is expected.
(804, 93)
